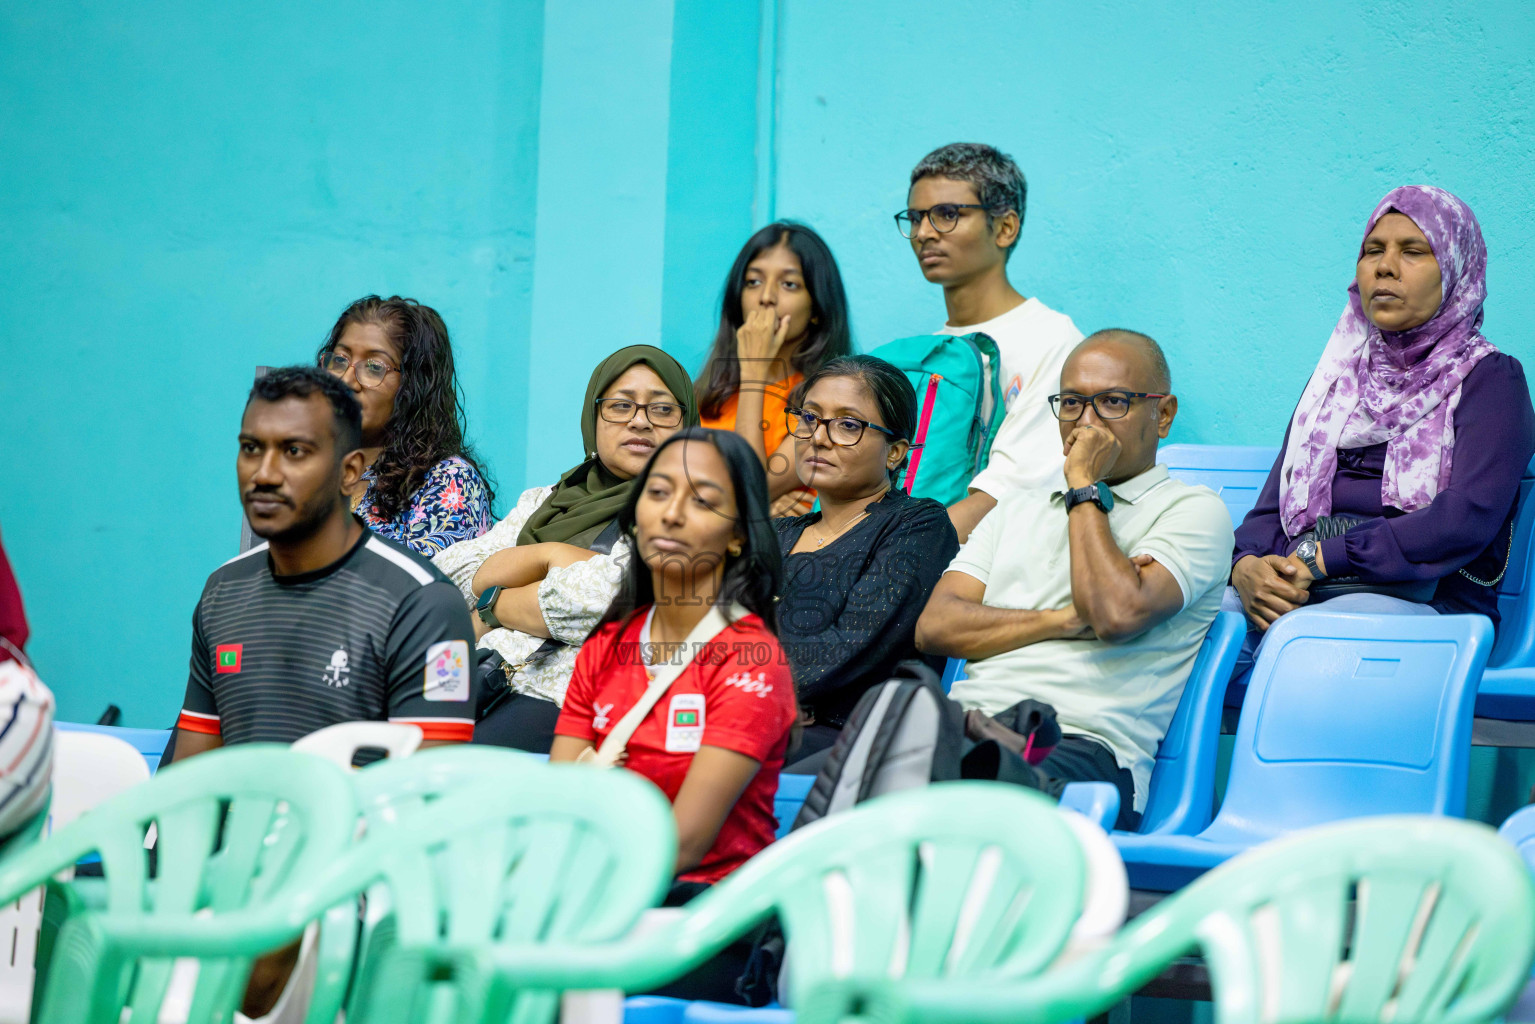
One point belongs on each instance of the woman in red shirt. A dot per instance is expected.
(695, 607)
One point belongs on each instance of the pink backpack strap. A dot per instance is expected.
(921, 438)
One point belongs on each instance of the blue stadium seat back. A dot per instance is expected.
(1181, 797)
(786, 802)
(1519, 831)
(654, 1010)
(953, 671)
(1235, 472)
(703, 1012)
(1516, 633)
(1354, 715)
(150, 743)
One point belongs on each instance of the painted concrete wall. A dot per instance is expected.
(186, 193)
(1200, 172)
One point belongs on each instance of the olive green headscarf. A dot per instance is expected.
(588, 497)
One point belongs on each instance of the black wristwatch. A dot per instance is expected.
(1099, 494)
(485, 607)
(1307, 554)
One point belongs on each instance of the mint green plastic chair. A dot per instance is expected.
(236, 828)
(536, 854)
(1406, 920)
(958, 880)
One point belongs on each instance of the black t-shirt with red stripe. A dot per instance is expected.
(377, 635)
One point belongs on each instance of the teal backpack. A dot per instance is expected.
(959, 398)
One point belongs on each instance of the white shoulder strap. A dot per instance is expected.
(711, 625)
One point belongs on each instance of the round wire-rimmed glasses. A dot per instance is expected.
(370, 372)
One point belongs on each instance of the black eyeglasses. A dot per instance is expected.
(1110, 405)
(370, 372)
(621, 410)
(944, 218)
(845, 431)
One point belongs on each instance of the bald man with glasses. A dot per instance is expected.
(1093, 595)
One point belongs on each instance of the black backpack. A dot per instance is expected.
(903, 733)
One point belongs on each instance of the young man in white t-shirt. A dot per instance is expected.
(964, 214)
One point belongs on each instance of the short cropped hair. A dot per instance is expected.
(303, 381)
(998, 183)
(1161, 375)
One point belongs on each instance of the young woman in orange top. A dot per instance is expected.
(784, 316)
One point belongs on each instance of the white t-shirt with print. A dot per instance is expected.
(1034, 341)
(1122, 695)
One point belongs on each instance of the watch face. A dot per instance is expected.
(486, 599)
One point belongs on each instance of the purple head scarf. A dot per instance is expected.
(1400, 387)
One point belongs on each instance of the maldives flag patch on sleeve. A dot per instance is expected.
(226, 657)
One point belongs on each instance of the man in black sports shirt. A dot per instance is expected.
(326, 622)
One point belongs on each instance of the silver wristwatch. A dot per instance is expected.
(1307, 554)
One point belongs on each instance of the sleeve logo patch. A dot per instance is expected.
(447, 671)
(226, 657)
(685, 723)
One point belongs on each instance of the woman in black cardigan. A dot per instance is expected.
(858, 572)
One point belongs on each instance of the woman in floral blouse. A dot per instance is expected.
(541, 579)
(424, 487)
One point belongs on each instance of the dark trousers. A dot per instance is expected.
(715, 981)
(1079, 759)
(519, 721)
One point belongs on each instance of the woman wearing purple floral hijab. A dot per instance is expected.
(1412, 422)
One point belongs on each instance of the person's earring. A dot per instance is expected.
(734, 549)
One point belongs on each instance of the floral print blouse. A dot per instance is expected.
(572, 600)
(451, 505)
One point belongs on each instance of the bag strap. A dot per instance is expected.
(919, 442)
(711, 625)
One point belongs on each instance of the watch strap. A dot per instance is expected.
(485, 607)
(1098, 494)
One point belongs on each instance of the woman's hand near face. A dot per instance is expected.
(758, 342)
(1269, 587)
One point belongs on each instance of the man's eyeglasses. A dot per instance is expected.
(845, 431)
(1110, 405)
(370, 372)
(944, 218)
(621, 410)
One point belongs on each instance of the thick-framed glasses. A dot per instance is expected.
(845, 431)
(1109, 405)
(944, 217)
(621, 410)
(370, 372)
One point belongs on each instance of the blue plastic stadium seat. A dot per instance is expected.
(953, 669)
(654, 1010)
(1181, 796)
(1235, 472)
(786, 802)
(150, 743)
(1508, 686)
(1519, 831)
(1346, 716)
(724, 1013)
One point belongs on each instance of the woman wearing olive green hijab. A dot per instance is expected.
(540, 579)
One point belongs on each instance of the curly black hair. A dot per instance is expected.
(427, 425)
(303, 381)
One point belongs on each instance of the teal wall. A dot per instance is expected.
(187, 192)
(1200, 172)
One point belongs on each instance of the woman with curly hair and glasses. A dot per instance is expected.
(424, 488)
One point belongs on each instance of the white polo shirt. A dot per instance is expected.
(1034, 341)
(1123, 695)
